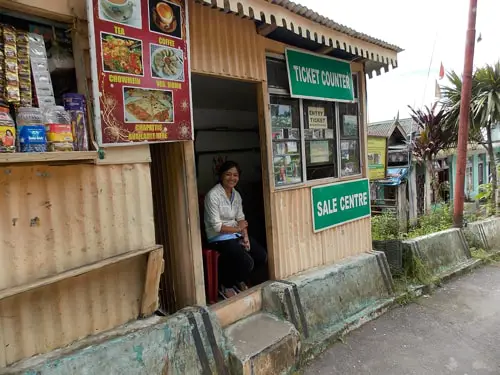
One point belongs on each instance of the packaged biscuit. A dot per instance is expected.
(7, 132)
(23, 61)
(11, 69)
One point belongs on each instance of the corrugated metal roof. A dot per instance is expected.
(308, 24)
(380, 129)
(325, 21)
(384, 128)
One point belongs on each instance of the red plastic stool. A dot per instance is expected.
(210, 263)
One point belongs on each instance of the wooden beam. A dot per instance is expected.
(266, 29)
(4, 293)
(266, 155)
(48, 157)
(325, 50)
(150, 301)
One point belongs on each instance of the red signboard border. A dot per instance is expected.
(97, 120)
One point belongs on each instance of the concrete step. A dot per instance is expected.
(263, 345)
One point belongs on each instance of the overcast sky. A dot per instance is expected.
(415, 26)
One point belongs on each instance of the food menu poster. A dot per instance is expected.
(140, 71)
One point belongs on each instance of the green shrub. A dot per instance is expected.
(439, 219)
(385, 227)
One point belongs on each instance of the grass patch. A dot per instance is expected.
(480, 254)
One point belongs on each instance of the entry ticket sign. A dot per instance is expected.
(140, 71)
(340, 203)
(313, 76)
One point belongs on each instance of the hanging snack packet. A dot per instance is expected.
(11, 89)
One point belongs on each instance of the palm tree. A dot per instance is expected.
(484, 111)
(486, 107)
(433, 136)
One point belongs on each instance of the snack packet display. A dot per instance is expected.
(11, 68)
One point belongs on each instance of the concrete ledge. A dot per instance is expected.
(484, 234)
(438, 252)
(263, 345)
(324, 303)
(185, 343)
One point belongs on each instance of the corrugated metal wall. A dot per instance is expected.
(297, 248)
(57, 218)
(56, 315)
(224, 44)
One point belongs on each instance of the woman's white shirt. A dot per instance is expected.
(222, 211)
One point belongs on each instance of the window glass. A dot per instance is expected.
(285, 122)
(320, 142)
(349, 139)
(480, 170)
(277, 76)
(326, 141)
(355, 84)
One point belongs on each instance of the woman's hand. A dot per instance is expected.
(243, 224)
(246, 243)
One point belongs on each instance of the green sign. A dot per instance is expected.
(314, 76)
(340, 203)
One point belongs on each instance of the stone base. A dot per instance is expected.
(262, 344)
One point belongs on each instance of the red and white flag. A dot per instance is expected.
(441, 71)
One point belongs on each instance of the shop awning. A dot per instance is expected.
(307, 24)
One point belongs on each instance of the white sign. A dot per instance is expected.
(317, 118)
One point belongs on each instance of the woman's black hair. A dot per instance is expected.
(9, 131)
(227, 166)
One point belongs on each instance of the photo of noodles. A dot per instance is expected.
(143, 105)
(122, 55)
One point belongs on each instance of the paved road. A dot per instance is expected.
(454, 331)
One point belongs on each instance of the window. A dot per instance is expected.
(319, 135)
(349, 139)
(469, 177)
(311, 139)
(285, 121)
(480, 170)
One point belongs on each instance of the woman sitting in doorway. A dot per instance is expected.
(227, 232)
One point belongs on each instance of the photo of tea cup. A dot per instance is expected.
(165, 13)
(118, 10)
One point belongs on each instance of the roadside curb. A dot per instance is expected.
(416, 291)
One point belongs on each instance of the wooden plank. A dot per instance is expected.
(47, 157)
(4, 293)
(150, 296)
(133, 155)
(267, 173)
(266, 29)
(325, 50)
(184, 235)
(243, 305)
(193, 217)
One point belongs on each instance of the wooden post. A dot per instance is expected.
(154, 270)
(267, 171)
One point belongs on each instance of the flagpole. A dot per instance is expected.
(463, 127)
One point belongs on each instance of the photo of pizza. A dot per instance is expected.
(148, 105)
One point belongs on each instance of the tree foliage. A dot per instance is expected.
(434, 135)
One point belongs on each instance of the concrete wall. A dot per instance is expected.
(321, 305)
(484, 234)
(439, 252)
(324, 302)
(183, 344)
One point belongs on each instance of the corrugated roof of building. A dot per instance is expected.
(380, 129)
(274, 16)
(385, 128)
(325, 21)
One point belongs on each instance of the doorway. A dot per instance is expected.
(226, 128)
